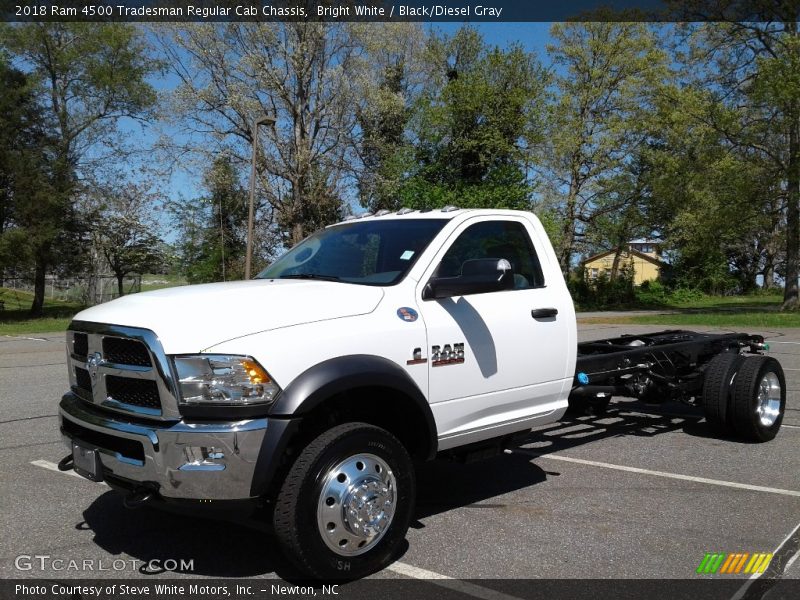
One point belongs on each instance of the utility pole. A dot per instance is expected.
(251, 208)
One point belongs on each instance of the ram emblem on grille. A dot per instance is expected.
(93, 363)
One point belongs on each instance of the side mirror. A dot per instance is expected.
(478, 276)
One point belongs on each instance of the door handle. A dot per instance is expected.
(544, 313)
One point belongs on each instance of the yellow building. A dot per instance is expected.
(642, 256)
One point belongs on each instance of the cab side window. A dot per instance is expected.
(495, 239)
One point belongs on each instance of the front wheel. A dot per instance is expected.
(346, 504)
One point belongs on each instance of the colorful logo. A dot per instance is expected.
(407, 314)
(734, 563)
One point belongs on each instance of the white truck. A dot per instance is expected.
(308, 393)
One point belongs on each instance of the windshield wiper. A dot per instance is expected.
(309, 276)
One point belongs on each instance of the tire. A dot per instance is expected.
(718, 391)
(318, 534)
(759, 399)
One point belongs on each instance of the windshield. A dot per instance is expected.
(374, 252)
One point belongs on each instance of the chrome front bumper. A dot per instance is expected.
(198, 461)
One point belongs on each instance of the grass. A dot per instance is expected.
(770, 301)
(14, 319)
(744, 319)
(158, 282)
(755, 311)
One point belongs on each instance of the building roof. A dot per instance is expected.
(636, 253)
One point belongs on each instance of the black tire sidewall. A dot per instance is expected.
(364, 440)
(747, 420)
(718, 391)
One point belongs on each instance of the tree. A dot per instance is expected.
(32, 214)
(390, 88)
(214, 227)
(605, 73)
(124, 234)
(300, 73)
(474, 124)
(752, 73)
(89, 77)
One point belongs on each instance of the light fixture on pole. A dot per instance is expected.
(251, 208)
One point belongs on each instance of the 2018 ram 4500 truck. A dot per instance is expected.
(383, 340)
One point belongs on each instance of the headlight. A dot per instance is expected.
(223, 380)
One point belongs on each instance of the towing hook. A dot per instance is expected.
(66, 464)
(138, 497)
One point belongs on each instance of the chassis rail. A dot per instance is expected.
(653, 367)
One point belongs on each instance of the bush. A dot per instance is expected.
(604, 292)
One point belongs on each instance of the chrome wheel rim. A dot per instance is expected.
(768, 403)
(357, 504)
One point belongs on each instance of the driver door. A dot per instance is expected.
(491, 362)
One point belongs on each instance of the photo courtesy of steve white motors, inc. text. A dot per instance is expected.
(158, 590)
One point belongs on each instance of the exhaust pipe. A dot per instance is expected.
(598, 391)
(139, 497)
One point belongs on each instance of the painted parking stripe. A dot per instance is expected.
(730, 484)
(50, 466)
(457, 585)
(772, 575)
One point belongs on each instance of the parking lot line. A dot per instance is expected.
(46, 464)
(770, 572)
(731, 484)
(457, 585)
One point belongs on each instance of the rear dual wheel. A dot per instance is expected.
(718, 391)
(744, 396)
(759, 399)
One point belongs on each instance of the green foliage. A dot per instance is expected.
(655, 294)
(84, 77)
(213, 228)
(123, 234)
(473, 125)
(603, 292)
(595, 123)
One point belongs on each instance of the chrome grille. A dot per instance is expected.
(138, 392)
(126, 352)
(80, 344)
(121, 369)
(83, 383)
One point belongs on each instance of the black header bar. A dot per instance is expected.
(477, 11)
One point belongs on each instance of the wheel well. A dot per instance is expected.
(383, 407)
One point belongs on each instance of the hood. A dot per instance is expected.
(191, 318)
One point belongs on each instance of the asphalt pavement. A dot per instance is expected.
(639, 493)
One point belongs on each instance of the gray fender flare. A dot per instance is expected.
(343, 373)
(318, 383)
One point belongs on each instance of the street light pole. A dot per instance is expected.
(251, 208)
